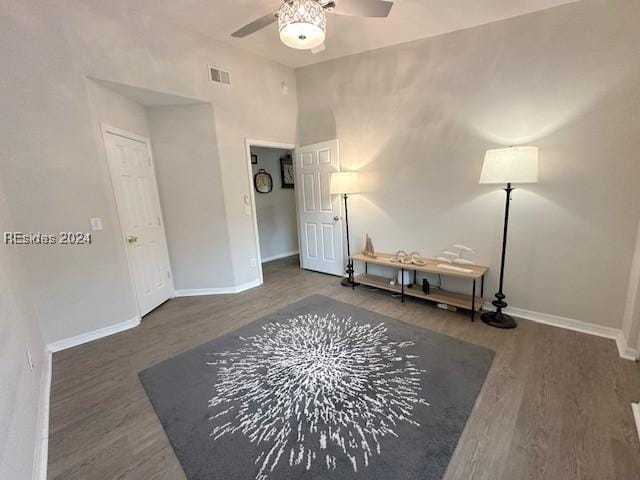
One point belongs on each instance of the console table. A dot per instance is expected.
(471, 302)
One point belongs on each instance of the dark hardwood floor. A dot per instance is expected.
(556, 404)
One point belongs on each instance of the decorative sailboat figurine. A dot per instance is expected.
(368, 248)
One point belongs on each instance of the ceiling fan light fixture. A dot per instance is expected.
(302, 24)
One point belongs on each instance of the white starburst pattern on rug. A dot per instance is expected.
(313, 388)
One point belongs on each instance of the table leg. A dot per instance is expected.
(482, 287)
(473, 301)
(402, 286)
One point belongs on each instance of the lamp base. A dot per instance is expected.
(499, 320)
(347, 282)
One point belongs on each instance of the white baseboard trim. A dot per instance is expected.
(625, 350)
(635, 408)
(93, 335)
(279, 256)
(571, 324)
(42, 432)
(219, 291)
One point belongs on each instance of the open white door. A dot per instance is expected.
(136, 193)
(320, 228)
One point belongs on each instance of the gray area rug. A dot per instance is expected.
(319, 390)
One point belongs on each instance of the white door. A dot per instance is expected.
(136, 193)
(318, 211)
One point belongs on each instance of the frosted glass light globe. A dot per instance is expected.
(302, 24)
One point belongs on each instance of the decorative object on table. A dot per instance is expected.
(345, 184)
(425, 379)
(426, 286)
(461, 252)
(449, 258)
(457, 257)
(254, 159)
(507, 165)
(399, 256)
(368, 248)
(286, 171)
(405, 258)
(416, 259)
(263, 181)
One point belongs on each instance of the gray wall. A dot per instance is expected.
(276, 211)
(416, 120)
(188, 173)
(55, 174)
(20, 387)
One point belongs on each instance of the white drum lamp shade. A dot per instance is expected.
(302, 24)
(510, 165)
(345, 183)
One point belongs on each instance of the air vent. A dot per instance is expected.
(217, 75)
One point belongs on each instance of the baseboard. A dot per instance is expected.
(93, 335)
(571, 324)
(279, 256)
(625, 350)
(635, 408)
(42, 431)
(219, 291)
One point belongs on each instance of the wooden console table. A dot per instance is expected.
(471, 302)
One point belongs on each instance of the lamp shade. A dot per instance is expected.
(510, 165)
(344, 182)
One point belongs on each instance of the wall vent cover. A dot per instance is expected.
(218, 75)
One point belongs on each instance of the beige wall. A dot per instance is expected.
(55, 175)
(20, 387)
(417, 118)
(276, 211)
(191, 192)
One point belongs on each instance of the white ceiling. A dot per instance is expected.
(409, 20)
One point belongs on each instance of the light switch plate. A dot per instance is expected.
(96, 224)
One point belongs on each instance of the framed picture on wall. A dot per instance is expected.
(254, 159)
(286, 171)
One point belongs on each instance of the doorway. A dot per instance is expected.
(318, 218)
(275, 202)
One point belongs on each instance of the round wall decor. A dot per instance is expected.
(263, 181)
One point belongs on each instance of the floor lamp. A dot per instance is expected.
(346, 183)
(507, 165)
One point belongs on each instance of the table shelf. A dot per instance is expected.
(472, 303)
(459, 300)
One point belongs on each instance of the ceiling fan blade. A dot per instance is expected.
(362, 8)
(256, 25)
(318, 49)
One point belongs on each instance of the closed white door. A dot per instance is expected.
(136, 193)
(318, 211)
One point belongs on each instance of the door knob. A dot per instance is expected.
(132, 239)
(336, 218)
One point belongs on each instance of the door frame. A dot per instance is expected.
(248, 143)
(109, 129)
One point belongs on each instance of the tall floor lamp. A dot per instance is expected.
(507, 165)
(346, 183)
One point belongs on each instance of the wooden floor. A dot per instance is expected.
(554, 406)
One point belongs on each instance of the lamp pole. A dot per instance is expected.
(497, 318)
(349, 281)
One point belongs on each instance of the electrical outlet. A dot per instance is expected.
(30, 360)
(253, 263)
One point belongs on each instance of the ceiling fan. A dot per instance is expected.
(303, 23)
